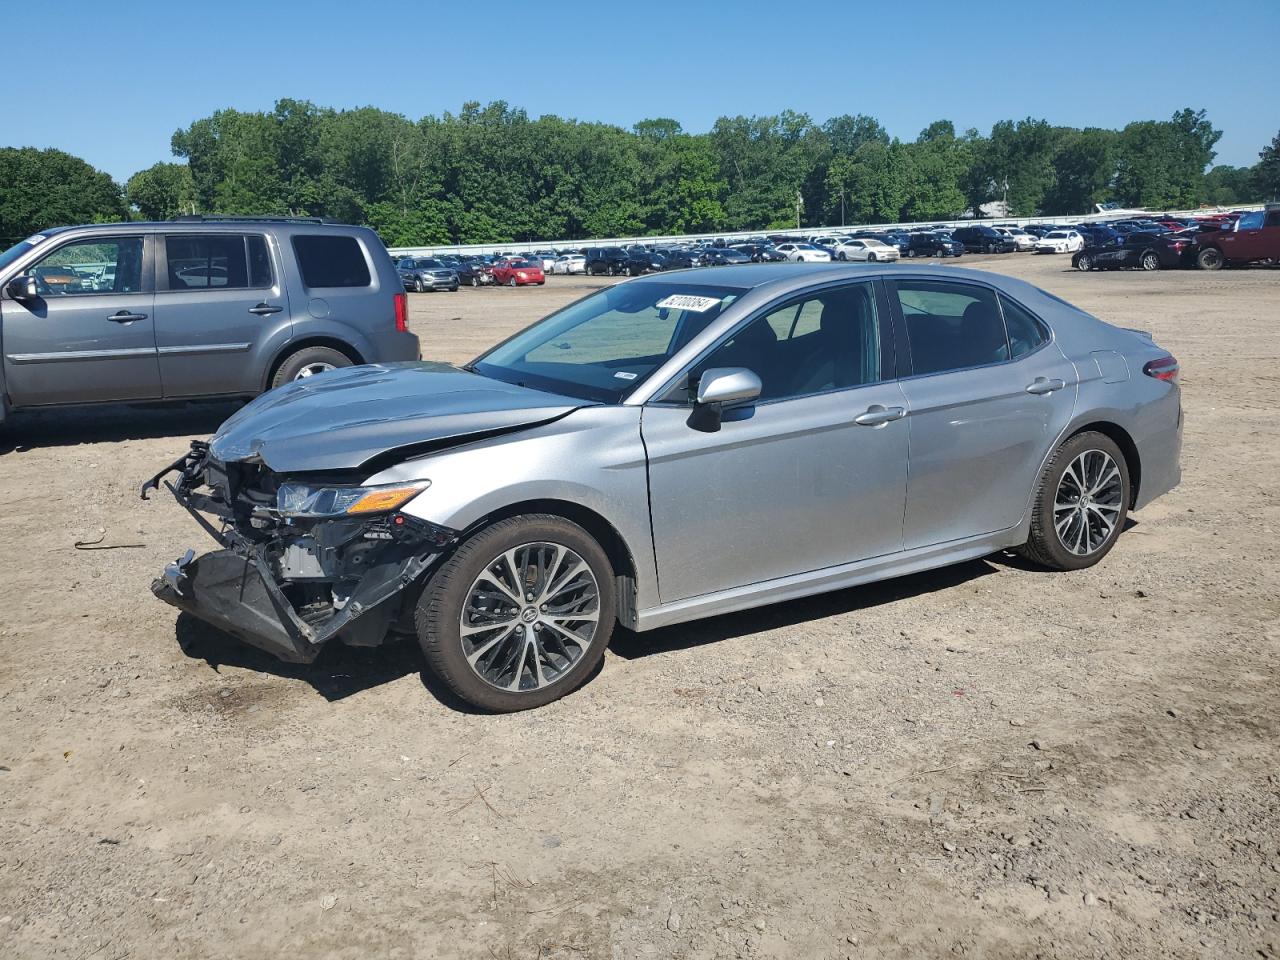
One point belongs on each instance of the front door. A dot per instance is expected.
(217, 296)
(89, 335)
(792, 482)
(988, 396)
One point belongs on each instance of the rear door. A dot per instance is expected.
(217, 295)
(89, 336)
(985, 403)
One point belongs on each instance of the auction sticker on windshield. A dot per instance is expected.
(684, 301)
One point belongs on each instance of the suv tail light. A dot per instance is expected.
(402, 312)
(1166, 368)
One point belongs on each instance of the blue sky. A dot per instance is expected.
(113, 81)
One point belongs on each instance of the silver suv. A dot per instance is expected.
(195, 307)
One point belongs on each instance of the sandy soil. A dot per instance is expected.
(985, 761)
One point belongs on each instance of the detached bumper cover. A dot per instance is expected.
(349, 587)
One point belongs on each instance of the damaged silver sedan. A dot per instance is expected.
(668, 449)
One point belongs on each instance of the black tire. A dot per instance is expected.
(911, 252)
(1043, 544)
(1210, 258)
(475, 281)
(511, 282)
(439, 610)
(1084, 262)
(299, 360)
(871, 257)
(417, 285)
(1150, 260)
(842, 256)
(454, 288)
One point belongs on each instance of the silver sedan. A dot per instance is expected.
(674, 447)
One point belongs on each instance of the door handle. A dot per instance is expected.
(124, 316)
(878, 415)
(263, 309)
(1040, 386)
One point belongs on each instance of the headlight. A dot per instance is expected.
(520, 274)
(304, 500)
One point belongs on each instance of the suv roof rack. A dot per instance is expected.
(223, 218)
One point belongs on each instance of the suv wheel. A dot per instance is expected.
(911, 252)
(418, 285)
(520, 615)
(307, 362)
(1210, 258)
(1080, 505)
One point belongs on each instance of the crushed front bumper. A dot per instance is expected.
(288, 587)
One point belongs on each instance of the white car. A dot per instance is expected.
(803, 253)
(1024, 240)
(866, 249)
(546, 259)
(569, 263)
(1060, 241)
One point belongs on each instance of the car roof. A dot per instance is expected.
(786, 277)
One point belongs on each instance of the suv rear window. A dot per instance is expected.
(331, 261)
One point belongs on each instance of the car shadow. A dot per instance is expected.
(338, 672)
(631, 645)
(70, 426)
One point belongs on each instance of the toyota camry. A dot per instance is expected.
(673, 447)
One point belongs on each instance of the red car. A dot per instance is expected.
(518, 272)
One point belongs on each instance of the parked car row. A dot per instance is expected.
(1148, 242)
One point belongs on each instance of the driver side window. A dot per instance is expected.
(97, 265)
(828, 341)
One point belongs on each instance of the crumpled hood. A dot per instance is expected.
(341, 419)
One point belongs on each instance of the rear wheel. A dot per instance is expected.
(520, 615)
(1210, 258)
(1150, 260)
(308, 362)
(1080, 505)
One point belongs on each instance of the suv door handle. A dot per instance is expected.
(124, 316)
(1040, 386)
(264, 309)
(878, 415)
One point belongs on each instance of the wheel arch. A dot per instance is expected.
(1122, 439)
(293, 346)
(615, 546)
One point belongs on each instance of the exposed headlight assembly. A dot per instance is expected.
(304, 500)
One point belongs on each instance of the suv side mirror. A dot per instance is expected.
(22, 288)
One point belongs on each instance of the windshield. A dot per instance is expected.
(1056, 235)
(607, 344)
(18, 249)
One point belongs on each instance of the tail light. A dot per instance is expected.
(402, 312)
(1166, 368)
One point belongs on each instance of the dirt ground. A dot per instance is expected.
(985, 761)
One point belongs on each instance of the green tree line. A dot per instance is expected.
(493, 174)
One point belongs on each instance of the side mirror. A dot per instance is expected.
(22, 288)
(727, 385)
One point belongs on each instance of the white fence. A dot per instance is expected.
(804, 232)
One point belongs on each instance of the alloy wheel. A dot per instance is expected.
(529, 616)
(311, 369)
(1150, 261)
(1088, 503)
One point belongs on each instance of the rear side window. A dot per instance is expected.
(1026, 333)
(951, 326)
(331, 261)
(217, 262)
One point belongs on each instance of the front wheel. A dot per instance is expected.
(417, 285)
(1080, 505)
(871, 257)
(1210, 258)
(520, 615)
(475, 281)
(1084, 262)
(911, 254)
(512, 283)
